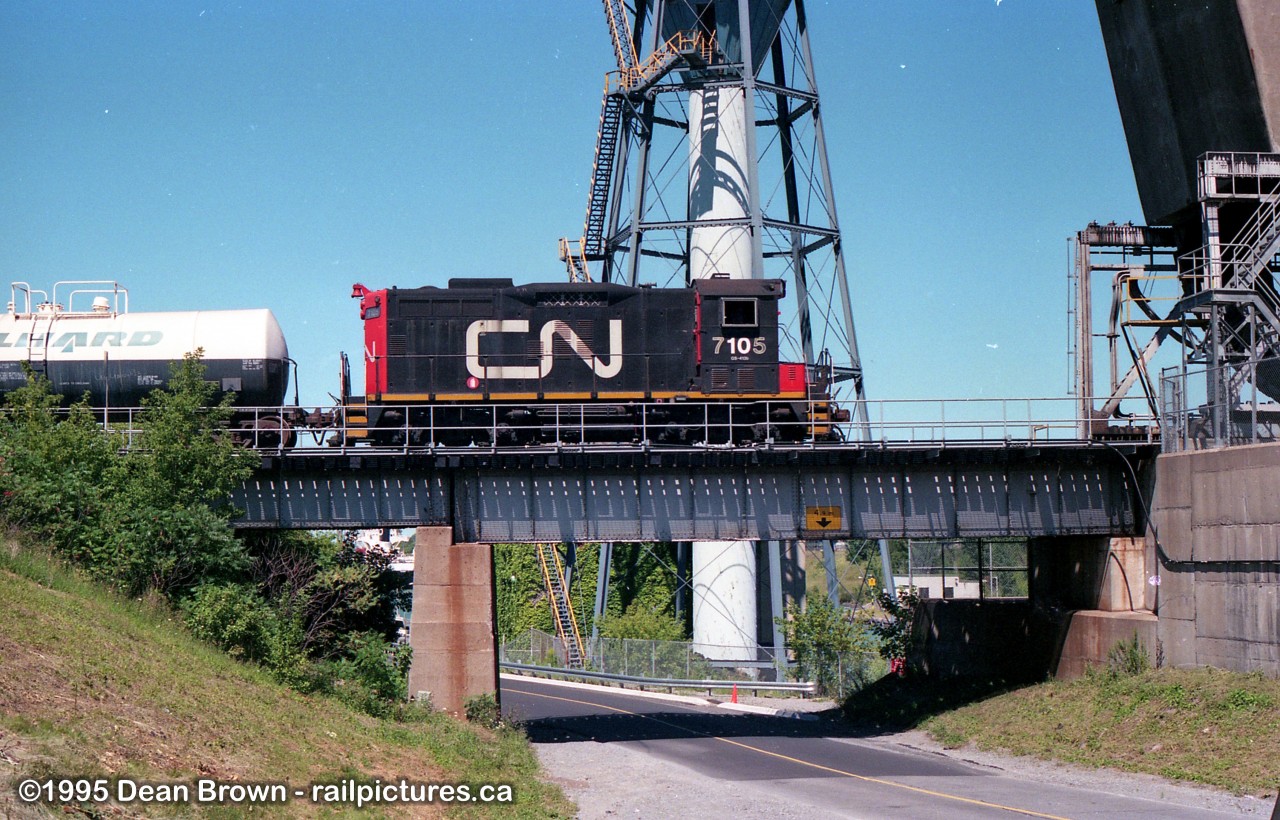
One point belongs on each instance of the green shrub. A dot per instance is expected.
(374, 677)
(232, 617)
(895, 632)
(1128, 658)
(642, 623)
(830, 649)
(483, 710)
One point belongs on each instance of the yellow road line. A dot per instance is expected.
(819, 766)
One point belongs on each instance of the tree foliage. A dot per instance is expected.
(137, 518)
(642, 578)
(895, 632)
(182, 455)
(153, 517)
(830, 649)
(642, 623)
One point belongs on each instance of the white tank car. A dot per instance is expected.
(84, 340)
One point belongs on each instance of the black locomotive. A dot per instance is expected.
(485, 361)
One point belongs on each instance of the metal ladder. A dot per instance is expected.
(624, 48)
(561, 607)
(602, 173)
(38, 342)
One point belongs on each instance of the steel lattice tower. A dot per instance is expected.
(711, 160)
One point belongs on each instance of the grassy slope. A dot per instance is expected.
(1204, 725)
(93, 685)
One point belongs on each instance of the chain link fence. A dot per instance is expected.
(1214, 407)
(677, 660)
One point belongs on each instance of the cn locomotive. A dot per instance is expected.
(485, 361)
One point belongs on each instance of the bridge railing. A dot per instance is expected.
(701, 425)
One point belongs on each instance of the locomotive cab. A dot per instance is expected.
(738, 344)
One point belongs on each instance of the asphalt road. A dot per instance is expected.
(619, 754)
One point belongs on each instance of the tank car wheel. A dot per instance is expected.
(275, 433)
(243, 434)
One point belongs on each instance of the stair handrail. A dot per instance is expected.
(568, 603)
(624, 47)
(559, 595)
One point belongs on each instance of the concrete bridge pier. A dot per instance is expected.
(1087, 593)
(452, 628)
(1098, 587)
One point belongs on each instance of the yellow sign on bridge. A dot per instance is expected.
(823, 518)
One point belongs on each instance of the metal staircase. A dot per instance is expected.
(1241, 262)
(630, 79)
(602, 172)
(1230, 282)
(561, 607)
(624, 47)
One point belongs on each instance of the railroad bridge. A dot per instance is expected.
(1081, 504)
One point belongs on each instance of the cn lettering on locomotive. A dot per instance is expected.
(550, 330)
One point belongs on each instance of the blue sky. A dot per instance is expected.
(226, 155)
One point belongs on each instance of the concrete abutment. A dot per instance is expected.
(1217, 518)
(1201, 589)
(1087, 594)
(452, 628)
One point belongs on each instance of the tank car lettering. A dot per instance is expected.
(69, 341)
(145, 338)
(108, 339)
(546, 361)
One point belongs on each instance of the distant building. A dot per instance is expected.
(939, 586)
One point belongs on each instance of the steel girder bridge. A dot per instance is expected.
(850, 490)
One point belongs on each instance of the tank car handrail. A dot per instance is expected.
(106, 287)
(24, 288)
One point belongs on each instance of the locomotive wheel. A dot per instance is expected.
(761, 433)
(676, 434)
